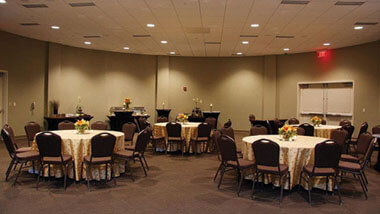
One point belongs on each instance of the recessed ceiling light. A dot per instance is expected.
(172, 52)
(126, 48)
(239, 53)
(87, 43)
(358, 27)
(286, 49)
(326, 44)
(255, 25)
(164, 42)
(3, 1)
(150, 25)
(53, 27)
(244, 42)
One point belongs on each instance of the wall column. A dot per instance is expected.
(269, 87)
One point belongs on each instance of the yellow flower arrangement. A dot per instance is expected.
(316, 121)
(287, 132)
(82, 125)
(182, 118)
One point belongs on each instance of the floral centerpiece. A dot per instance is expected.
(182, 118)
(287, 132)
(81, 126)
(316, 121)
(127, 102)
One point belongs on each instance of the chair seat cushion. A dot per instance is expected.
(199, 139)
(273, 169)
(124, 154)
(97, 160)
(28, 155)
(24, 149)
(351, 158)
(66, 158)
(131, 147)
(318, 171)
(349, 166)
(242, 163)
(175, 139)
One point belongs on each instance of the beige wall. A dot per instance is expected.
(25, 60)
(102, 79)
(233, 85)
(236, 86)
(359, 63)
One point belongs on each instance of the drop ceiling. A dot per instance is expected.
(195, 27)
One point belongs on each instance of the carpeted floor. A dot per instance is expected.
(175, 184)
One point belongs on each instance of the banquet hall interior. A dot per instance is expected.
(189, 106)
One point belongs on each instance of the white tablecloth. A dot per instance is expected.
(295, 154)
(78, 146)
(189, 129)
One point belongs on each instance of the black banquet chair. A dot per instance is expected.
(230, 160)
(326, 161)
(102, 148)
(309, 129)
(50, 148)
(174, 131)
(267, 157)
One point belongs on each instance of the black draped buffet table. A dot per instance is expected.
(120, 117)
(53, 120)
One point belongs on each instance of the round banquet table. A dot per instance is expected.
(325, 130)
(78, 146)
(189, 129)
(295, 154)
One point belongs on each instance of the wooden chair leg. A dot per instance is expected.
(142, 165)
(240, 182)
(39, 174)
(253, 184)
(309, 189)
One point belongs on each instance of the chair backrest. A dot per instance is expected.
(324, 122)
(31, 129)
(216, 135)
(300, 131)
(363, 128)
(258, 130)
(368, 154)
(204, 130)
(276, 125)
(363, 142)
(142, 141)
(376, 129)
(49, 144)
(309, 129)
(129, 130)
(99, 125)
(327, 154)
(8, 142)
(173, 129)
(102, 145)
(293, 121)
(267, 153)
(227, 148)
(11, 135)
(251, 118)
(344, 122)
(162, 119)
(143, 123)
(339, 136)
(227, 124)
(66, 125)
(350, 129)
(229, 131)
(211, 121)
